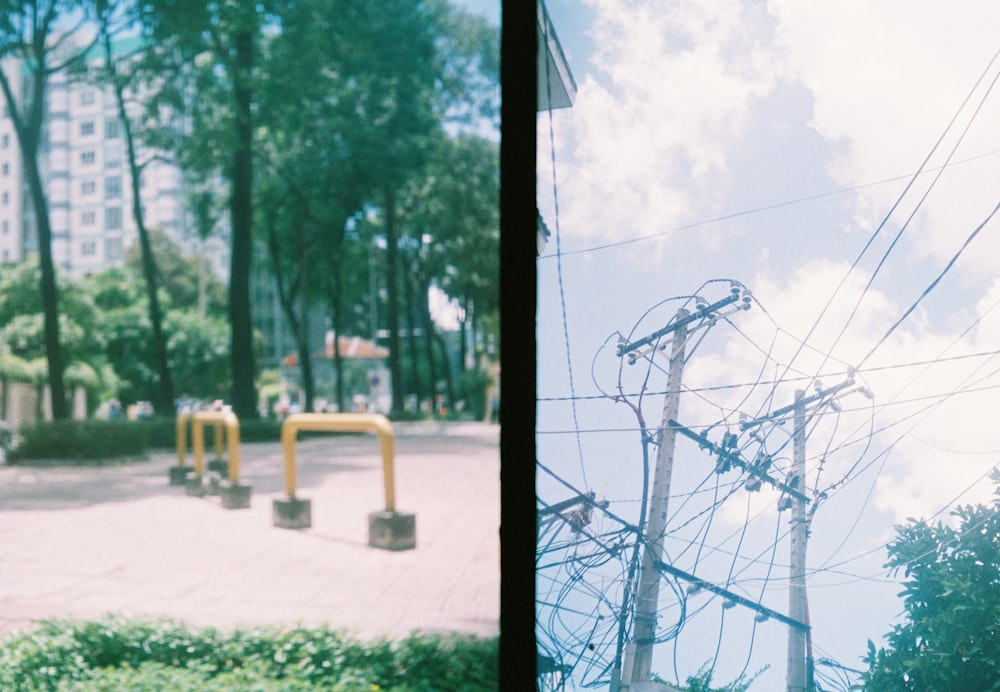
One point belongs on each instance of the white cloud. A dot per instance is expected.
(649, 131)
(886, 79)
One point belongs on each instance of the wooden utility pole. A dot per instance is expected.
(796, 675)
(648, 590)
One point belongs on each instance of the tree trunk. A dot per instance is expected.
(465, 336)
(428, 324)
(305, 357)
(337, 323)
(395, 359)
(241, 216)
(411, 346)
(50, 295)
(164, 401)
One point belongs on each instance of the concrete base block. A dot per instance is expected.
(212, 481)
(392, 530)
(179, 474)
(234, 495)
(219, 466)
(292, 513)
(194, 485)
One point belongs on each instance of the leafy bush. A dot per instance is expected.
(163, 432)
(98, 441)
(80, 441)
(162, 655)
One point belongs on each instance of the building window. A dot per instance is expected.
(6, 227)
(87, 128)
(111, 128)
(88, 247)
(5, 198)
(112, 156)
(6, 141)
(113, 218)
(87, 157)
(88, 218)
(6, 255)
(87, 97)
(6, 169)
(113, 249)
(113, 187)
(88, 187)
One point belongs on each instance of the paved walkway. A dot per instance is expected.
(81, 542)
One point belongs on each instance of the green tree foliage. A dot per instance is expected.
(702, 681)
(183, 278)
(22, 322)
(220, 41)
(196, 346)
(362, 127)
(950, 636)
(199, 353)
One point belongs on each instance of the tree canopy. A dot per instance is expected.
(949, 638)
(353, 144)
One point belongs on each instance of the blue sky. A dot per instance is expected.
(778, 145)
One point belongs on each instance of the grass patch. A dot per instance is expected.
(163, 655)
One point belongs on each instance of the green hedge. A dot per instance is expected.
(156, 655)
(162, 432)
(80, 441)
(99, 441)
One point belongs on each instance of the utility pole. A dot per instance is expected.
(639, 654)
(797, 677)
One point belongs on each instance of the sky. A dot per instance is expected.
(836, 160)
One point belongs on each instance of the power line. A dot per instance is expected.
(559, 272)
(932, 285)
(787, 380)
(768, 207)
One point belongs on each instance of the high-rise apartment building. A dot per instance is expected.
(11, 196)
(84, 165)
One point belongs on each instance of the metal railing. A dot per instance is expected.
(341, 422)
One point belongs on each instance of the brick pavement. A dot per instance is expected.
(81, 542)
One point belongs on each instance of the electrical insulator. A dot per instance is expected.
(761, 617)
(784, 503)
(763, 462)
(752, 484)
(728, 603)
(835, 405)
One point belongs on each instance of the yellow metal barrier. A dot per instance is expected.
(182, 423)
(341, 422)
(223, 420)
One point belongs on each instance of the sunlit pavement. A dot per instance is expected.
(81, 542)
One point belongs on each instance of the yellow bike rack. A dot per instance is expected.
(235, 495)
(178, 474)
(221, 419)
(388, 529)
